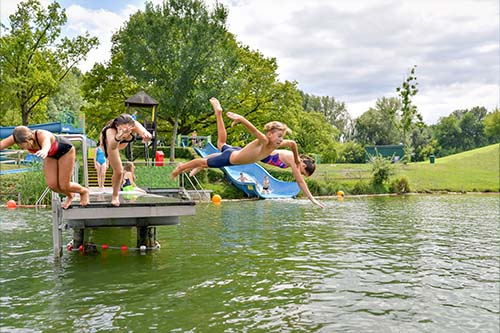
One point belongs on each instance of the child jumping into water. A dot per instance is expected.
(116, 135)
(229, 155)
(58, 156)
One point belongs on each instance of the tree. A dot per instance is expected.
(182, 51)
(448, 132)
(105, 88)
(65, 104)
(33, 57)
(376, 126)
(492, 126)
(408, 117)
(462, 130)
(335, 113)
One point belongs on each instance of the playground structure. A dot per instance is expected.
(140, 101)
(254, 174)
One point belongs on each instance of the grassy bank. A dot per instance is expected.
(474, 170)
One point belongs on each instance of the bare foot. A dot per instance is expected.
(84, 197)
(216, 105)
(68, 201)
(115, 201)
(194, 171)
(177, 171)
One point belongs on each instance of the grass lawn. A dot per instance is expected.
(474, 170)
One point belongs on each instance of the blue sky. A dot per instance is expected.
(356, 51)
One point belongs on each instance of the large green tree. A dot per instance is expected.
(34, 58)
(334, 111)
(377, 126)
(182, 51)
(462, 130)
(105, 88)
(65, 104)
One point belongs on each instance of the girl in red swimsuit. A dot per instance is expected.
(58, 156)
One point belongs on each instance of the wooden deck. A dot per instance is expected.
(136, 209)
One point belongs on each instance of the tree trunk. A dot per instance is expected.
(25, 114)
(174, 135)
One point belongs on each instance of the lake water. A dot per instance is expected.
(365, 264)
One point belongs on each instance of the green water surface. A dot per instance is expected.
(365, 264)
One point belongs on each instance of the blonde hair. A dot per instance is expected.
(22, 134)
(129, 166)
(276, 125)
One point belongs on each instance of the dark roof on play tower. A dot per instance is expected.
(140, 99)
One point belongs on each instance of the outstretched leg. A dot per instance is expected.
(198, 163)
(221, 129)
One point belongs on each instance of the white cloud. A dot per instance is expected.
(356, 51)
(100, 23)
(359, 51)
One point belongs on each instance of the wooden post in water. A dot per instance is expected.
(57, 224)
(146, 236)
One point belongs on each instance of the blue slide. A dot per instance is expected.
(255, 175)
(55, 127)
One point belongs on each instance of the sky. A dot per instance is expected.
(355, 51)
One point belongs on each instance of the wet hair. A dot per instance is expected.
(22, 134)
(276, 125)
(310, 164)
(120, 120)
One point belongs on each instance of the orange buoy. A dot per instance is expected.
(11, 204)
(216, 199)
(104, 246)
(124, 248)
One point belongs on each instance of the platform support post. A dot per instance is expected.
(146, 236)
(78, 237)
(57, 225)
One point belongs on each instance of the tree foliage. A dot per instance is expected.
(492, 126)
(181, 51)
(334, 111)
(33, 57)
(376, 126)
(408, 117)
(462, 130)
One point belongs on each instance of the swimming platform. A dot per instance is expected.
(137, 209)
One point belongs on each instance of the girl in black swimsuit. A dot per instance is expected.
(116, 135)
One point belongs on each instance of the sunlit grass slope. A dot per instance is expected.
(473, 170)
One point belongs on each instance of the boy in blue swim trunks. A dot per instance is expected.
(256, 150)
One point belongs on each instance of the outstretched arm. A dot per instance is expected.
(303, 186)
(250, 127)
(7, 142)
(143, 132)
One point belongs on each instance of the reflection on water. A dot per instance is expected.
(410, 264)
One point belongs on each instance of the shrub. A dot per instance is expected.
(400, 185)
(382, 169)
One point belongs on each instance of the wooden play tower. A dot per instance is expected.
(141, 100)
